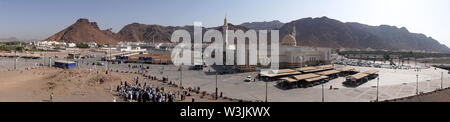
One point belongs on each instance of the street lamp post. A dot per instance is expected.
(323, 99)
(217, 90)
(266, 91)
(442, 79)
(44, 58)
(417, 84)
(110, 58)
(15, 63)
(50, 62)
(378, 83)
(181, 77)
(67, 60)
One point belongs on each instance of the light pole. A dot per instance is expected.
(323, 99)
(181, 76)
(110, 58)
(15, 60)
(417, 84)
(266, 91)
(378, 83)
(67, 59)
(15, 63)
(50, 62)
(44, 58)
(442, 79)
(216, 87)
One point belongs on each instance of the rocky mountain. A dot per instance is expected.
(316, 32)
(326, 32)
(84, 31)
(146, 33)
(275, 24)
(401, 38)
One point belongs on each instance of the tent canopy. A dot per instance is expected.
(306, 76)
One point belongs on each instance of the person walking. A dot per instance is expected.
(51, 97)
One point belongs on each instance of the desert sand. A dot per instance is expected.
(73, 85)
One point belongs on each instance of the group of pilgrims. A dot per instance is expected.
(137, 92)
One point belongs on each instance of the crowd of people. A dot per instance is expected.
(137, 92)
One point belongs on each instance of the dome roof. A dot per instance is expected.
(289, 40)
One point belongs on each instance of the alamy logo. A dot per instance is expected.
(229, 47)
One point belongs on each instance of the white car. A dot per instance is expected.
(248, 79)
(100, 63)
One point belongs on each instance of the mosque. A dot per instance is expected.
(291, 55)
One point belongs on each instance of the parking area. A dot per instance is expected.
(394, 83)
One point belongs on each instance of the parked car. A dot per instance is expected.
(100, 63)
(248, 79)
(92, 56)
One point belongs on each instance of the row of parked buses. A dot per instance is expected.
(312, 76)
(360, 78)
(145, 58)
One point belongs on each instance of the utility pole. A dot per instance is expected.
(378, 84)
(15, 63)
(110, 59)
(44, 57)
(266, 91)
(50, 62)
(417, 84)
(442, 79)
(323, 99)
(67, 59)
(217, 90)
(181, 76)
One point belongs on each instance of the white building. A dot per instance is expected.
(292, 56)
(130, 47)
(92, 44)
(49, 43)
(71, 45)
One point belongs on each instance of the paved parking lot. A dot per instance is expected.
(393, 84)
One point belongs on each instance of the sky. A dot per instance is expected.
(39, 19)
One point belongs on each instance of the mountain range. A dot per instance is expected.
(316, 32)
(10, 39)
(272, 25)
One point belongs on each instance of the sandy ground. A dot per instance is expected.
(74, 85)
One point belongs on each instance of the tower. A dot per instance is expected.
(224, 31)
(294, 31)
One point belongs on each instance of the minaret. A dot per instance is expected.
(294, 31)
(224, 31)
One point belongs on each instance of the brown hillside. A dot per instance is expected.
(84, 31)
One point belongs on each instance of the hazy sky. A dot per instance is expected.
(38, 19)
